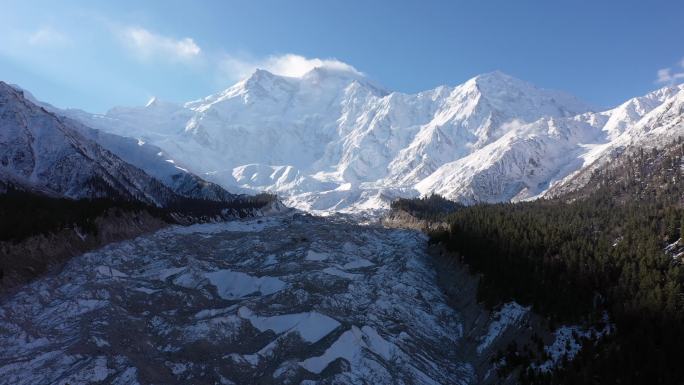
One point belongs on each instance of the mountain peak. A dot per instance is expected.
(10, 89)
(497, 80)
(261, 77)
(262, 83)
(332, 75)
(337, 71)
(524, 99)
(344, 76)
(261, 73)
(17, 94)
(494, 75)
(318, 72)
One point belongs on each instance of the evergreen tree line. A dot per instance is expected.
(25, 213)
(433, 207)
(574, 259)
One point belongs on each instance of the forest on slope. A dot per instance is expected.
(612, 247)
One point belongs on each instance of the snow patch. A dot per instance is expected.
(315, 256)
(358, 264)
(239, 226)
(510, 314)
(270, 260)
(568, 342)
(234, 284)
(311, 326)
(166, 273)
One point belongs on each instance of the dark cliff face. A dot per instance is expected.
(398, 218)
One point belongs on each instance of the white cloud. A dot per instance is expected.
(148, 44)
(238, 67)
(48, 36)
(669, 76)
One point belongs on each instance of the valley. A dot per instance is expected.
(320, 228)
(288, 298)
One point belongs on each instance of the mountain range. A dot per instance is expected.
(334, 140)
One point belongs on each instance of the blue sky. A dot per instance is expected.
(97, 54)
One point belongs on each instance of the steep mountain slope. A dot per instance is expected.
(651, 121)
(151, 159)
(331, 139)
(41, 152)
(635, 174)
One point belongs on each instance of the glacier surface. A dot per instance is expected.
(239, 302)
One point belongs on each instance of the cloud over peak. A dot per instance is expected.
(48, 36)
(237, 67)
(148, 44)
(669, 75)
(152, 46)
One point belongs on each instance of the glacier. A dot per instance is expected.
(243, 302)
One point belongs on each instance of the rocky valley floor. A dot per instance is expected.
(287, 299)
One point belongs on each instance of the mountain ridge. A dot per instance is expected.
(332, 140)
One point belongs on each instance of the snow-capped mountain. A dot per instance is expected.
(43, 152)
(334, 140)
(654, 120)
(545, 156)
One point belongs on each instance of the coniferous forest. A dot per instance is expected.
(611, 248)
(26, 213)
